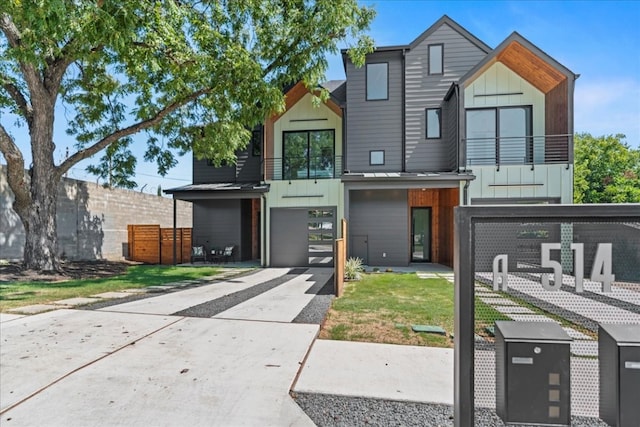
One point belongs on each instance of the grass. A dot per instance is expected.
(382, 307)
(19, 294)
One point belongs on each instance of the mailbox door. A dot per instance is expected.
(629, 386)
(538, 389)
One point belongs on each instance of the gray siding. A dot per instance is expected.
(204, 173)
(428, 91)
(374, 125)
(450, 133)
(217, 223)
(247, 169)
(382, 216)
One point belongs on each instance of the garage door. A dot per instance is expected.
(302, 236)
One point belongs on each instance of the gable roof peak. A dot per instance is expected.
(445, 19)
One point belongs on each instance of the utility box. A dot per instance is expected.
(619, 355)
(533, 373)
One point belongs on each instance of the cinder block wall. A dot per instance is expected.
(92, 220)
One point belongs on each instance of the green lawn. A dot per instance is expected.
(18, 294)
(382, 307)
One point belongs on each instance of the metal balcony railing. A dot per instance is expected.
(521, 150)
(290, 168)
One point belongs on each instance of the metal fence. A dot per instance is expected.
(564, 270)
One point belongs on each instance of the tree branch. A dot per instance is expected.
(29, 72)
(16, 176)
(18, 98)
(110, 139)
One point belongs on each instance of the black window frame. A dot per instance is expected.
(429, 57)
(366, 90)
(256, 143)
(426, 122)
(529, 148)
(308, 162)
(383, 157)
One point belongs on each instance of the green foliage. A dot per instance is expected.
(607, 170)
(352, 268)
(223, 64)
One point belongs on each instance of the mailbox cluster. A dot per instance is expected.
(533, 373)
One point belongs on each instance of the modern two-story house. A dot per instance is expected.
(442, 121)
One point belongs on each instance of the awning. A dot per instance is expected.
(223, 190)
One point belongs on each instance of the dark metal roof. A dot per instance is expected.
(220, 190)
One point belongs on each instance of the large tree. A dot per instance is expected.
(607, 170)
(194, 75)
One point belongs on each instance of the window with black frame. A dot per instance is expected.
(308, 154)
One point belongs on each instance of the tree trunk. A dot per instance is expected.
(41, 239)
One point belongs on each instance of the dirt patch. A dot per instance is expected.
(14, 272)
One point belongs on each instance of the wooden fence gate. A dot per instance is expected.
(154, 245)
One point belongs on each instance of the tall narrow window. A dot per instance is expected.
(377, 81)
(436, 54)
(434, 124)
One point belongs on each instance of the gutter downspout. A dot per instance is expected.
(404, 113)
(263, 240)
(465, 192)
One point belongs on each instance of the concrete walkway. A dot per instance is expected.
(135, 364)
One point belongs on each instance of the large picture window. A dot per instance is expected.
(499, 135)
(377, 81)
(308, 154)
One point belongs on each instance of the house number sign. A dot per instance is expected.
(601, 271)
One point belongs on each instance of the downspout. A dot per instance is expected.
(465, 193)
(458, 140)
(175, 216)
(263, 239)
(404, 113)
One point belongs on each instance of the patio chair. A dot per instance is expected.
(228, 255)
(198, 253)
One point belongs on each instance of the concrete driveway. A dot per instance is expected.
(131, 366)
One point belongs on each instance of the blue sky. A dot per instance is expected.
(600, 40)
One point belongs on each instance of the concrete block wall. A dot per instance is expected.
(92, 220)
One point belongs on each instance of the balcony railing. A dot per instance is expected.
(290, 168)
(522, 150)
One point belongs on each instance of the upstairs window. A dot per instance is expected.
(256, 143)
(436, 54)
(308, 154)
(434, 123)
(377, 81)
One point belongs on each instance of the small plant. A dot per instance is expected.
(352, 268)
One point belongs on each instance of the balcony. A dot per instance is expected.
(520, 150)
(291, 168)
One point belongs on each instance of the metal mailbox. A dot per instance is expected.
(619, 355)
(533, 373)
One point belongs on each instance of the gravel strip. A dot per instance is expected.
(218, 305)
(316, 310)
(188, 284)
(342, 411)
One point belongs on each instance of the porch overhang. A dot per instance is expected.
(403, 180)
(228, 190)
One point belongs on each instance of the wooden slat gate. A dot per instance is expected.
(154, 245)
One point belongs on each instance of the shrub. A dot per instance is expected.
(352, 268)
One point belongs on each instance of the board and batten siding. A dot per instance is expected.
(382, 216)
(374, 125)
(428, 91)
(217, 223)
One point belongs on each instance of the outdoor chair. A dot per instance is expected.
(227, 255)
(198, 253)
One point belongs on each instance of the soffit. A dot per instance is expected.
(530, 67)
